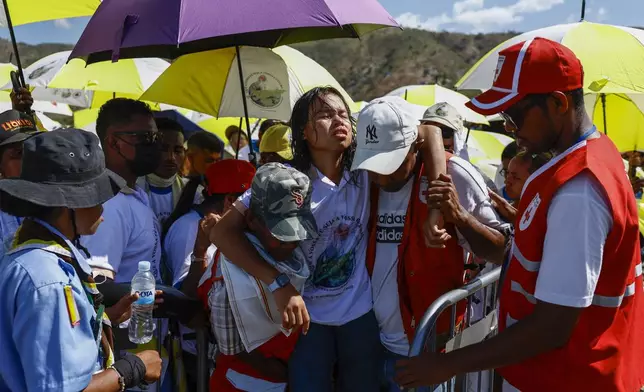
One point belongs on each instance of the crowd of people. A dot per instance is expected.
(314, 268)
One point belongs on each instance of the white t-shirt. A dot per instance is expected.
(178, 246)
(339, 290)
(161, 202)
(179, 243)
(392, 209)
(579, 220)
(128, 234)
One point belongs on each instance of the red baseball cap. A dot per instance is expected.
(535, 66)
(229, 176)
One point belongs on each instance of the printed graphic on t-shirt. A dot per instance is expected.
(337, 263)
(390, 227)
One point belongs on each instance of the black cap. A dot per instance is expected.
(16, 126)
(63, 168)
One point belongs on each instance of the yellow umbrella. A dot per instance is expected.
(31, 11)
(624, 120)
(484, 150)
(208, 82)
(218, 125)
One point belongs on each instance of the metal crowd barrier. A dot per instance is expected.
(481, 292)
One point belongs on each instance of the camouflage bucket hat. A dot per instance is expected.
(281, 197)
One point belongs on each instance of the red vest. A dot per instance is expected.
(280, 346)
(605, 351)
(424, 273)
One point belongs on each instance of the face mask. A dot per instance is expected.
(147, 158)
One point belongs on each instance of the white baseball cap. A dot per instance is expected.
(387, 128)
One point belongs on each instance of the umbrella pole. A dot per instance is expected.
(583, 10)
(603, 97)
(238, 139)
(13, 42)
(467, 137)
(251, 156)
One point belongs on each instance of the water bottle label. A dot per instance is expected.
(145, 297)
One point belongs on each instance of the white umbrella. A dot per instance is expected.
(428, 95)
(74, 83)
(47, 122)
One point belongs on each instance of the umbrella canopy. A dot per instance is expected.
(624, 118)
(53, 79)
(47, 122)
(128, 77)
(484, 150)
(428, 95)
(32, 11)
(218, 125)
(170, 28)
(612, 56)
(209, 82)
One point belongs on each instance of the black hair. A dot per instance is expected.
(300, 118)
(165, 124)
(267, 124)
(119, 111)
(184, 204)
(25, 209)
(577, 97)
(535, 160)
(510, 151)
(206, 141)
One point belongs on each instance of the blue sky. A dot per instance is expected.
(469, 16)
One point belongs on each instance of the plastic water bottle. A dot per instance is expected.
(142, 325)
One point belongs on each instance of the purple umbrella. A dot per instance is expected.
(170, 28)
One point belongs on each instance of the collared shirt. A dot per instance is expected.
(40, 346)
(222, 321)
(129, 233)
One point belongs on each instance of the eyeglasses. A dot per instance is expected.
(144, 137)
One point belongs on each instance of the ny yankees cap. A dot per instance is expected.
(281, 198)
(387, 128)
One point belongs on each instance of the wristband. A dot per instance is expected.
(121, 379)
(132, 369)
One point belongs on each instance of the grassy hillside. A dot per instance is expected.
(372, 66)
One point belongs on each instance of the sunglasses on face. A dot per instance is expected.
(514, 117)
(146, 137)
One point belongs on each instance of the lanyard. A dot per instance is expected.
(80, 259)
(586, 134)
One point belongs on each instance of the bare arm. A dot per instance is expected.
(200, 252)
(548, 328)
(105, 381)
(433, 155)
(484, 241)
(228, 236)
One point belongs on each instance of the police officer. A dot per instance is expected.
(53, 335)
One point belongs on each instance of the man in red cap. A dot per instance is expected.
(187, 253)
(571, 307)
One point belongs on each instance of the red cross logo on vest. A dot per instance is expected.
(528, 214)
